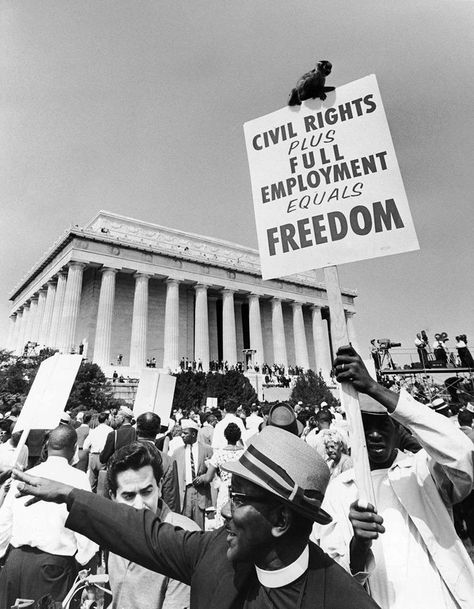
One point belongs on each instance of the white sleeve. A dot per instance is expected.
(6, 519)
(449, 450)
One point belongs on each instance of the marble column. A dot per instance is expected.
(229, 340)
(213, 330)
(139, 322)
(278, 331)
(201, 327)
(55, 328)
(19, 331)
(255, 330)
(11, 332)
(72, 301)
(171, 346)
(239, 330)
(48, 314)
(299, 335)
(103, 331)
(351, 332)
(31, 319)
(321, 344)
(39, 316)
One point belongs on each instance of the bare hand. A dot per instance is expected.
(367, 524)
(198, 481)
(350, 368)
(41, 489)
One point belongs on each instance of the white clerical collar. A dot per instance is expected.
(287, 575)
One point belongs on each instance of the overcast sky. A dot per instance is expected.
(137, 107)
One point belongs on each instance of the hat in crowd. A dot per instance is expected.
(283, 416)
(470, 407)
(65, 418)
(125, 411)
(189, 424)
(284, 465)
(439, 405)
(323, 404)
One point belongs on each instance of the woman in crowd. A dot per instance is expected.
(336, 460)
(231, 452)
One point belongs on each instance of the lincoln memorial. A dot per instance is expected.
(120, 286)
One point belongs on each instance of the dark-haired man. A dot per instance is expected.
(218, 438)
(407, 549)
(94, 443)
(82, 433)
(148, 427)
(119, 437)
(134, 474)
(261, 557)
(44, 555)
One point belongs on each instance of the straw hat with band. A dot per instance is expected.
(287, 467)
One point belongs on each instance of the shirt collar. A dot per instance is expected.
(287, 575)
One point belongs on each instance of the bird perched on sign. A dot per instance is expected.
(311, 84)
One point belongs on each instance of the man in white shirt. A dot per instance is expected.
(218, 439)
(254, 420)
(43, 555)
(94, 443)
(406, 549)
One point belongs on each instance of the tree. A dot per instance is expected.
(91, 390)
(311, 389)
(192, 389)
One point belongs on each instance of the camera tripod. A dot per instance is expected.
(386, 360)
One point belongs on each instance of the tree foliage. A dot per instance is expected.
(91, 390)
(311, 389)
(192, 389)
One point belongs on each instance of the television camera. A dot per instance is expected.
(386, 343)
(383, 345)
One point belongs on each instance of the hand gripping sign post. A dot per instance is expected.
(327, 190)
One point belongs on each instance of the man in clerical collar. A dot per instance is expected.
(262, 556)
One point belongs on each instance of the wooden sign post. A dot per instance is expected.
(349, 396)
(327, 190)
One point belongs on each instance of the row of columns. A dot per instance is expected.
(50, 318)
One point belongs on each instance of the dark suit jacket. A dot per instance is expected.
(169, 481)
(125, 435)
(199, 558)
(204, 491)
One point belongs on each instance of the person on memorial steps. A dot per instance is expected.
(407, 549)
(261, 558)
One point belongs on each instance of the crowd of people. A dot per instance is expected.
(245, 507)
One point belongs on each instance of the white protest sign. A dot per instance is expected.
(155, 394)
(211, 403)
(326, 184)
(49, 393)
